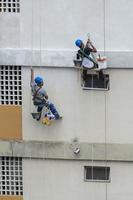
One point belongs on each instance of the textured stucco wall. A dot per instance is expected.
(9, 30)
(53, 179)
(44, 32)
(83, 111)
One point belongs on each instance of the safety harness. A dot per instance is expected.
(35, 95)
(87, 56)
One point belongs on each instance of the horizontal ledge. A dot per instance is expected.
(60, 58)
(65, 150)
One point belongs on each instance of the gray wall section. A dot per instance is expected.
(43, 33)
(65, 150)
(54, 179)
(59, 58)
(83, 111)
(9, 32)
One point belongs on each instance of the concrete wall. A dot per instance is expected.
(54, 179)
(61, 22)
(83, 111)
(10, 30)
(44, 32)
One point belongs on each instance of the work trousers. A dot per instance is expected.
(49, 105)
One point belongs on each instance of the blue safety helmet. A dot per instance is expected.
(38, 80)
(78, 42)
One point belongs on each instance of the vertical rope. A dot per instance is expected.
(104, 25)
(92, 161)
(40, 19)
(40, 36)
(30, 158)
(105, 145)
(31, 48)
(105, 116)
(32, 34)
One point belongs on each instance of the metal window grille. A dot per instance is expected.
(94, 81)
(97, 173)
(12, 6)
(10, 85)
(11, 181)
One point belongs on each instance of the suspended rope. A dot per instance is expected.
(105, 145)
(31, 65)
(104, 25)
(40, 20)
(39, 49)
(92, 160)
(105, 101)
(32, 11)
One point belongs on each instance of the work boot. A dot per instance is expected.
(58, 117)
(38, 116)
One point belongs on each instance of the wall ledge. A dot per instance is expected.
(59, 57)
(65, 150)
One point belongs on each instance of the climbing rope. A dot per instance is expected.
(40, 25)
(31, 50)
(32, 47)
(105, 145)
(105, 95)
(92, 160)
(104, 25)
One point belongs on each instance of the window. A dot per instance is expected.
(11, 176)
(96, 173)
(10, 85)
(10, 6)
(96, 80)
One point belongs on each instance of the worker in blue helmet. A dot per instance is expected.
(79, 43)
(84, 53)
(38, 80)
(40, 97)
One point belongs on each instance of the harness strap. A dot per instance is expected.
(87, 56)
(35, 95)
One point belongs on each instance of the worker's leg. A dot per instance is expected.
(53, 110)
(39, 110)
(40, 107)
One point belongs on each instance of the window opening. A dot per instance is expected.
(95, 80)
(10, 6)
(97, 173)
(10, 85)
(11, 176)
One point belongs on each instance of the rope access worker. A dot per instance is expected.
(40, 97)
(85, 54)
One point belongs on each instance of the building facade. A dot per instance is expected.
(89, 153)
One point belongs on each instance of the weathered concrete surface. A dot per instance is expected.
(59, 58)
(61, 150)
(6, 148)
(9, 30)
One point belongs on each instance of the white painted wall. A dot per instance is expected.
(9, 30)
(60, 22)
(83, 111)
(48, 30)
(54, 179)
(119, 25)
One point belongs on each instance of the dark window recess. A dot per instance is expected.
(96, 173)
(11, 176)
(10, 85)
(95, 81)
(10, 6)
